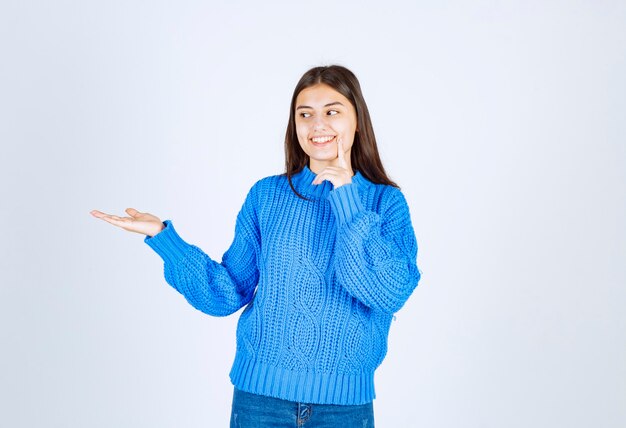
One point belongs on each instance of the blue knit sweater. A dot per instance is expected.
(320, 280)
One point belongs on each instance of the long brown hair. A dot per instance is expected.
(364, 155)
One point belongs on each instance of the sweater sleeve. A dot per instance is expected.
(375, 253)
(214, 288)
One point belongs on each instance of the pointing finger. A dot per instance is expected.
(340, 154)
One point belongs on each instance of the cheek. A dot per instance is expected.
(347, 125)
(301, 132)
(347, 129)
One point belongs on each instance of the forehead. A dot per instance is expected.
(320, 95)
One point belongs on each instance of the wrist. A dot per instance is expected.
(157, 231)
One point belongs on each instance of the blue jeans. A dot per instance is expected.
(258, 411)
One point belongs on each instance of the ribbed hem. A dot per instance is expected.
(345, 202)
(167, 243)
(302, 387)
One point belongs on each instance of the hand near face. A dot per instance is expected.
(338, 175)
(143, 223)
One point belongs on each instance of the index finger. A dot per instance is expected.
(340, 154)
(97, 213)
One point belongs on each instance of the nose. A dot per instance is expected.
(319, 122)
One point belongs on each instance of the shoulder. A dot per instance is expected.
(271, 180)
(384, 196)
(264, 186)
(393, 209)
(269, 183)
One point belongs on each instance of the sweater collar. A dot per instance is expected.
(302, 182)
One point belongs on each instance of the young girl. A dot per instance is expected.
(323, 256)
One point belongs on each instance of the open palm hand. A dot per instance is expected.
(138, 222)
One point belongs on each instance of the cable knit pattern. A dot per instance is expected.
(320, 281)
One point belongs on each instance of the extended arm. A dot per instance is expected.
(214, 288)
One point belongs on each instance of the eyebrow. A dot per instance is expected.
(327, 105)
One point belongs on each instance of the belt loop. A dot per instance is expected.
(304, 413)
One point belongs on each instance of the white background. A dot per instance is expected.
(503, 122)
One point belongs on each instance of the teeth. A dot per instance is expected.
(321, 139)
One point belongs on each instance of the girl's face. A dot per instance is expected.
(323, 116)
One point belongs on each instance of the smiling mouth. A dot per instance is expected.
(321, 141)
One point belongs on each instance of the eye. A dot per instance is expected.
(305, 114)
(332, 112)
